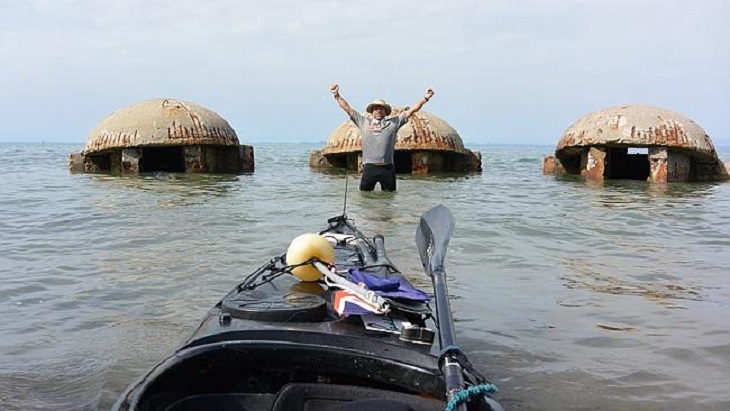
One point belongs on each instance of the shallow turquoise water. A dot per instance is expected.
(567, 294)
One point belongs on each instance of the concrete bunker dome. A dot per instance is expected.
(636, 141)
(163, 135)
(424, 144)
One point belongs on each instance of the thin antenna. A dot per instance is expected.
(344, 206)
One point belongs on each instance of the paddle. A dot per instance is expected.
(432, 238)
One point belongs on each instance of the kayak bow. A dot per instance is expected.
(362, 337)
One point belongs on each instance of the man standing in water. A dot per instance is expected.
(378, 138)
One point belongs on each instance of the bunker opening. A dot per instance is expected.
(164, 159)
(100, 163)
(403, 162)
(571, 164)
(627, 163)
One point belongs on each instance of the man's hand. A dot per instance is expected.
(429, 93)
(335, 90)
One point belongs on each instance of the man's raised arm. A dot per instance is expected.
(335, 90)
(427, 96)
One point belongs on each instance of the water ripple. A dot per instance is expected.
(569, 294)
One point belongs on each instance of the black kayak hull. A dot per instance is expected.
(277, 344)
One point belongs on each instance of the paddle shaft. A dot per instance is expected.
(443, 310)
(432, 237)
(451, 368)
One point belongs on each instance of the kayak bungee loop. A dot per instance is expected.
(474, 391)
(248, 282)
(269, 272)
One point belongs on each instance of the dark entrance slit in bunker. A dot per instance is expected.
(627, 163)
(167, 159)
(345, 161)
(403, 162)
(102, 162)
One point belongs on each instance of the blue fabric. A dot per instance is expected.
(388, 287)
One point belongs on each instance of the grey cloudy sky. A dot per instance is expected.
(504, 71)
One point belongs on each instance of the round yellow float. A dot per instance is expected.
(305, 247)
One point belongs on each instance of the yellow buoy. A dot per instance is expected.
(305, 247)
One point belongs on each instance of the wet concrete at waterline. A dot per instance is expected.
(567, 294)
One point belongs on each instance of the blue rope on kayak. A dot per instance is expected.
(453, 350)
(473, 391)
(449, 349)
(483, 387)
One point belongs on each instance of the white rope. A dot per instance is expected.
(377, 302)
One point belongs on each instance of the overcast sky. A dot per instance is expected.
(504, 71)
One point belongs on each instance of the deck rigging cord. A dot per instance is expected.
(269, 272)
(475, 391)
(276, 267)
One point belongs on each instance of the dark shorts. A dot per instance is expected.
(373, 174)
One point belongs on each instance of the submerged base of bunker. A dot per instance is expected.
(406, 161)
(171, 159)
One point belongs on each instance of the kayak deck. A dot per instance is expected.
(275, 343)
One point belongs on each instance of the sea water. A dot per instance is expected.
(569, 295)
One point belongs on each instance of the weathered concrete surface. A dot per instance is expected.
(475, 161)
(658, 171)
(317, 159)
(593, 163)
(636, 125)
(130, 160)
(678, 148)
(139, 137)
(76, 163)
(160, 122)
(551, 165)
(432, 143)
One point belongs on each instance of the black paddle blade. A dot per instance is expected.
(432, 237)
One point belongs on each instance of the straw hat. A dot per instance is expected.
(379, 102)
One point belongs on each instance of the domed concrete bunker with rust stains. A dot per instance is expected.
(637, 142)
(163, 135)
(425, 144)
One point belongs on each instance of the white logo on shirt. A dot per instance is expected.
(377, 126)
